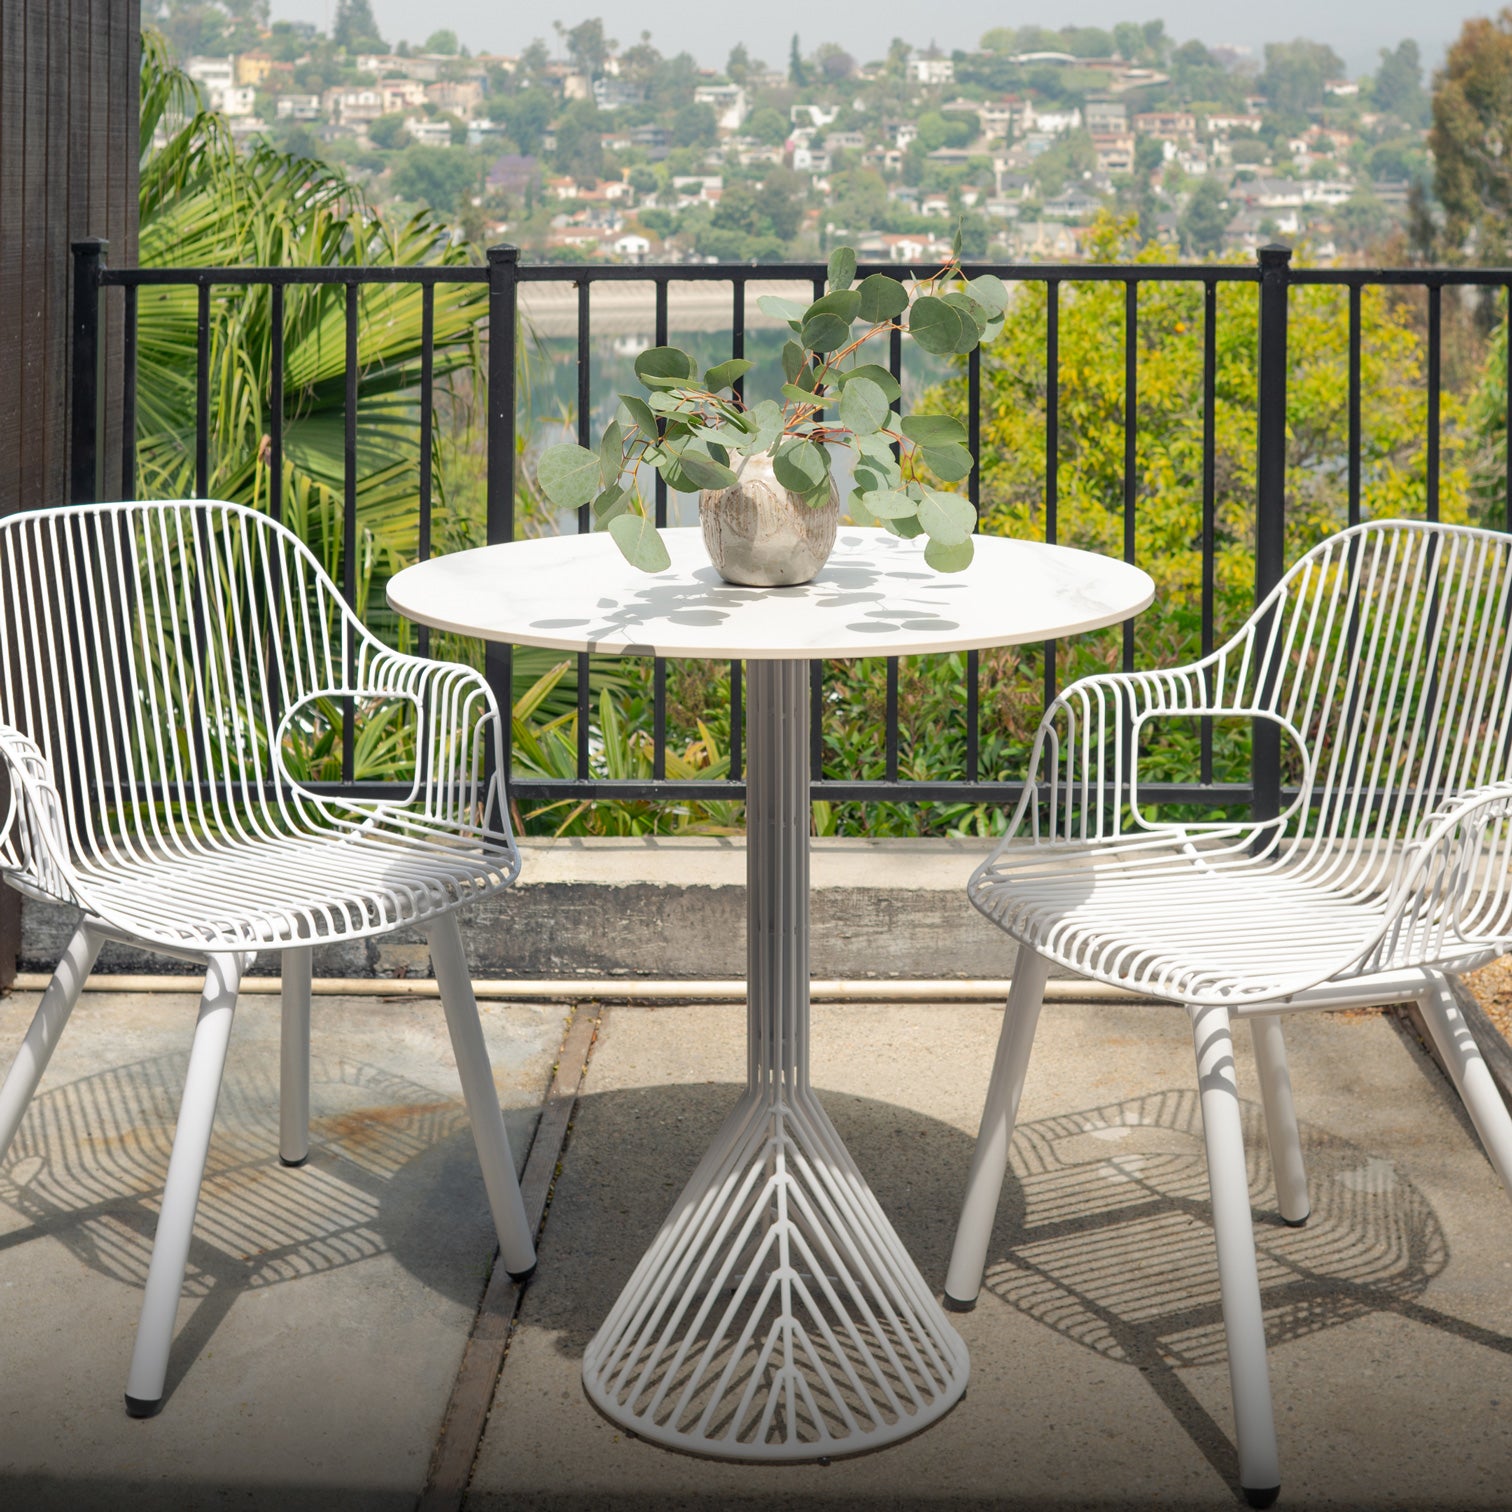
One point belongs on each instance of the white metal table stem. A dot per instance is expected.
(776, 1316)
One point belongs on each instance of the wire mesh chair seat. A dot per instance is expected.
(175, 678)
(1382, 663)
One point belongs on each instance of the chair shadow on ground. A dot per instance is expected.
(392, 1169)
(1102, 1233)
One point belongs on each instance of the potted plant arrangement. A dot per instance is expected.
(768, 502)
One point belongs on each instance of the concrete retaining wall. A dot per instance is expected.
(665, 909)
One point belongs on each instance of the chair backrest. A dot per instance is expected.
(150, 650)
(1389, 649)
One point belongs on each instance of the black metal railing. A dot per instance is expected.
(504, 275)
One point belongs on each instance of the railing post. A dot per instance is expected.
(1270, 509)
(85, 455)
(503, 322)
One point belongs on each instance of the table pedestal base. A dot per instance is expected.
(776, 1316)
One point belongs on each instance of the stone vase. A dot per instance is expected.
(761, 535)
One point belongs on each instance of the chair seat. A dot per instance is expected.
(270, 891)
(1167, 916)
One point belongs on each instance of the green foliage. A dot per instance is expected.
(388, 132)
(355, 29)
(1398, 86)
(442, 43)
(1472, 120)
(1295, 73)
(1204, 218)
(698, 433)
(439, 177)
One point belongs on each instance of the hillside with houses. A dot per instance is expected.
(580, 148)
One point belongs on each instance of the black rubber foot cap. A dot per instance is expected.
(138, 1408)
(521, 1277)
(1295, 1223)
(954, 1304)
(293, 1165)
(1262, 1496)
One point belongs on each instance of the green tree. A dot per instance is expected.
(1204, 218)
(797, 71)
(738, 64)
(780, 199)
(1399, 84)
(1471, 136)
(1295, 73)
(766, 125)
(442, 43)
(695, 126)
(587, 46)
(1168, 464)
(440, 177)
(1001, 39)
(355, 29)
(388, 132)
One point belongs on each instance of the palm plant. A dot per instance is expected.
(206, 203)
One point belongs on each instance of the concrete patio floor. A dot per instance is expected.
(328, 1308)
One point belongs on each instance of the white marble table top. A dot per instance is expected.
(874, 597)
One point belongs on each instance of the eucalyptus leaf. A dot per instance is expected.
(949, 463)
(704, 471)
(842, 268)
(990, 292)
(882, 298)
(873, 373)
(877, 448)
(640, 413)
(933, 430)
(953, 557)
(768, 418)
(726, 373)
(613, 501)
(793, 359)
(801, 466)
(568, 474)
(938, 327)
(863, 407)
(876, 477)
(800, 395)
(906, 526)
(611, 454)
(887, 504)
(846, 303)
(782, 309)
(976, 317)
(947, 517)
(825, 332)
(637, 539)
(665, 367)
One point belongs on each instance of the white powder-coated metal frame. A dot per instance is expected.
(1385, 658)
(776, 1316)
(160, 666)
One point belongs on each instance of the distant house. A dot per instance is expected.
(354, 107)
(460, 96)
(613, 94)
(216, 78)
(1071, 204)
(931, 67)
(727, 101)
(429, 133)
(298, 107)
(1115, 151)
(1166, 125)
(1107, 115)
(631, 245)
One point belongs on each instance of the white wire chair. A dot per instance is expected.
(1385, 659)
(170, 676)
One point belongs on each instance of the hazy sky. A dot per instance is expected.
(1356, 29)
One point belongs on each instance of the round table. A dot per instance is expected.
(776, 1316)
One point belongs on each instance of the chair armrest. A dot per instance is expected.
(1084, 769)
(1454, 894)
(33, 831)
(460, 727)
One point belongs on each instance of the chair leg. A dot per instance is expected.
(1280, 1119)
(294, 1062)
(46, 1028)
(516, 1245)
(1458, 1050)
(186, 1169)
(1238, 1273)
(989, 1161)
